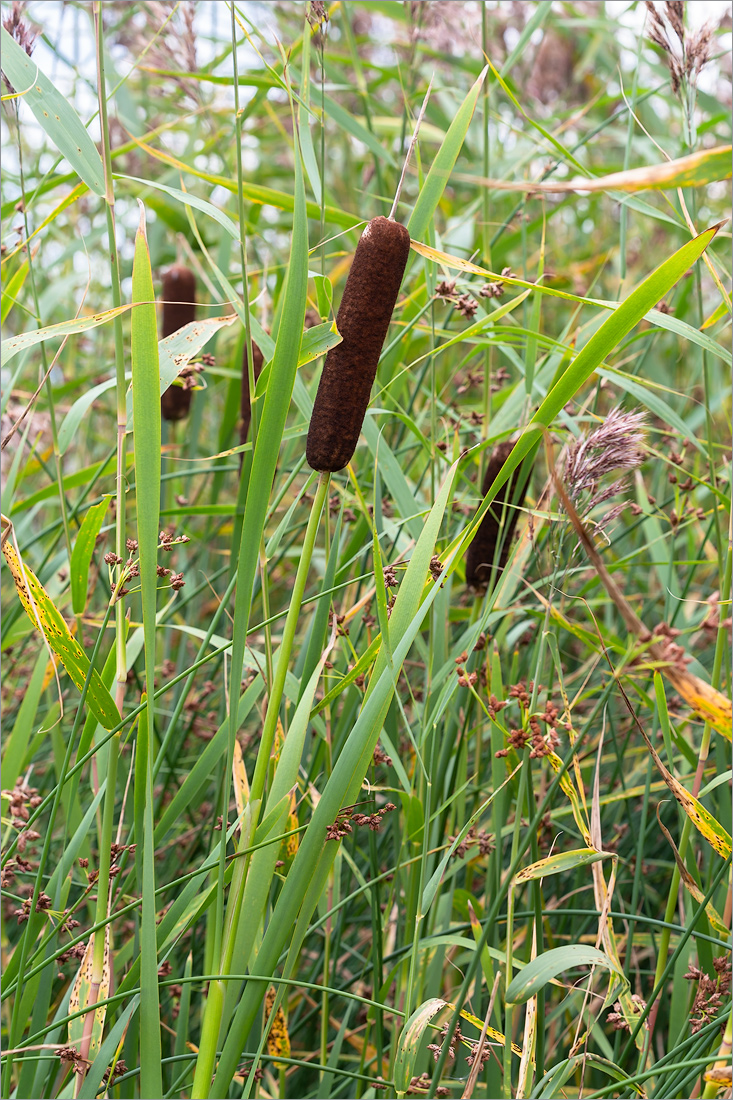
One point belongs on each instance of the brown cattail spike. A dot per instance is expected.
(485, 561)
(246, 406)
(179, 307)
(363, 320)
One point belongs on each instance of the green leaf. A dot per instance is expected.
(592, 355)
(12, 289)
(270, 432)
(54, 112)
(551, 1084)
(190, 200)
(309, 872)
(352, 126)
(146, 411)
(81, 555)
(408, 1044)
(562, 861)
(441, 168)
(317, 341)
(541, 970)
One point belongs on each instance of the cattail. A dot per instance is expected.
(179, 307)
(498, 524)
(363, 320)
(246, 406)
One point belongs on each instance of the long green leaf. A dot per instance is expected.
(54, 112)
(600, 345)
(190, 200)
(270, 433)
(81, 555)
(146, 410)
(539, 971)
(441, 168)
(309, 872)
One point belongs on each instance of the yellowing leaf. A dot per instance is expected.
(278, 1040)
(80, 998)
(561, 861)
(48, 620)
(491, 1033)
(705, 166)
(277, 743)
(689, 883)
(241, 783)
(291, 844)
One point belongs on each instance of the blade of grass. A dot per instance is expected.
(146, 410)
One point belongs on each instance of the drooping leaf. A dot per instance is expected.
(49, 621)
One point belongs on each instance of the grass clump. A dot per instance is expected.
(367, 731)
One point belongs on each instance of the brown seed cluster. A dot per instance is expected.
(710, 991)
(488, 553)
(363, 320)
(686, 55)
(346, 819)
(179, 308)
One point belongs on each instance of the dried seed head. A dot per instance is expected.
(18, 29)
(617, 444)
(179, 308)
(494, 536)
(363, 320)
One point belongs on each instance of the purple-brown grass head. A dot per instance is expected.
(363, 320)
(488, 553)
(179, 307)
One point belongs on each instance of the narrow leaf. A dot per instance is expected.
(81, 555)
(537, 973)
(47, 619)
(146, 410)
(54, 112)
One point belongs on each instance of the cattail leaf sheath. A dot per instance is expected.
(179, 307)
(363, 320)
(488, 553)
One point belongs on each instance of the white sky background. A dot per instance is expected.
(71, 29)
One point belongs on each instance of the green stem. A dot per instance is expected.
(286, 646)
(215, 999)
(707, 733)
(120, 382)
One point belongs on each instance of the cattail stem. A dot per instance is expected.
(215, 1000)
(286, 646)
